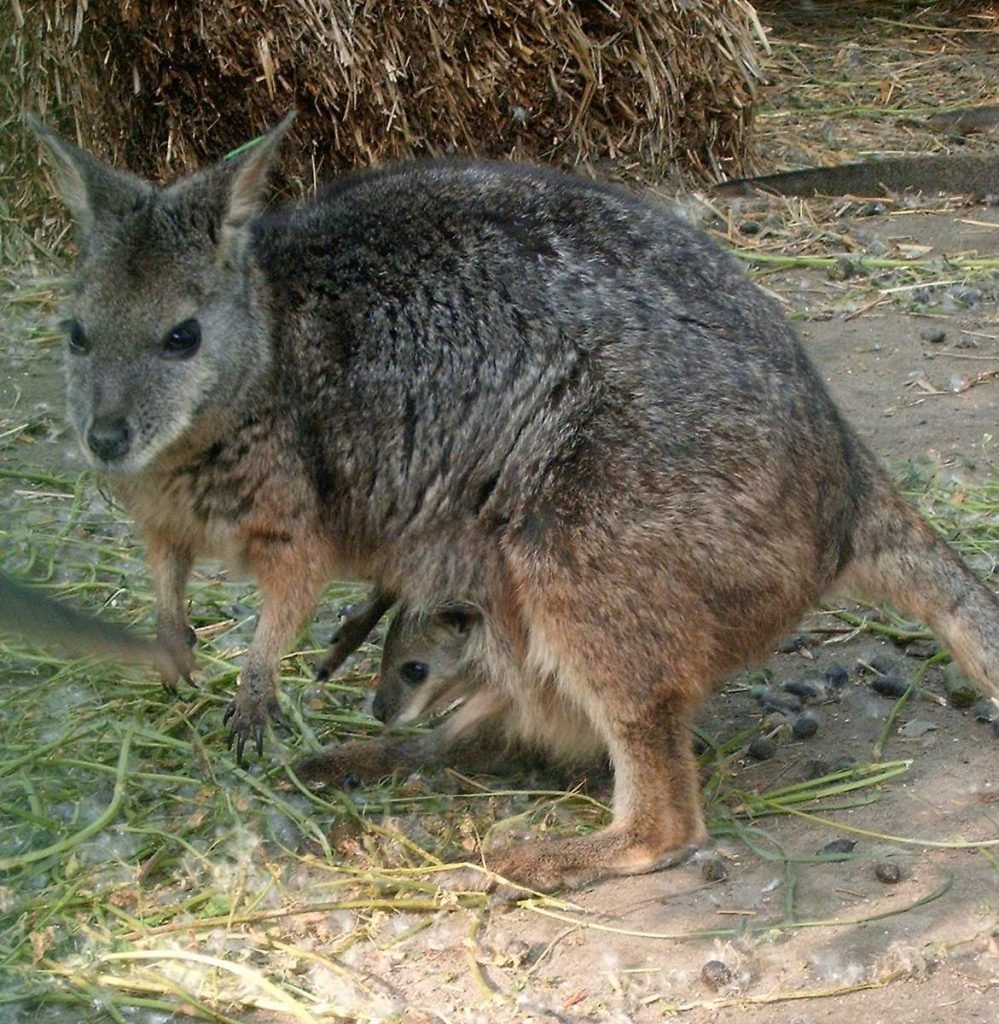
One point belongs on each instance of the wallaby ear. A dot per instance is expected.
(249, 180)
(456, 618)
(91, 190)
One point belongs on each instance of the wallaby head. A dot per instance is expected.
(427, 662)
(165, 330)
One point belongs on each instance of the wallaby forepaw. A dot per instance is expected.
(176, 659)
(247, 720)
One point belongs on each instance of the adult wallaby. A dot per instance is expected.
(498, 385)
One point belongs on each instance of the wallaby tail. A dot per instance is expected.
(898, 557)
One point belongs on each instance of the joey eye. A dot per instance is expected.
(182, 341)
(79, 343)
(414, 672)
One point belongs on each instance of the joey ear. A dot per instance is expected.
(249, 180)
(91, 190)
(457, 618)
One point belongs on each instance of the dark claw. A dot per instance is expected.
(240, 744)
(229, 712)
(322, 673)
(258, 733)
(174, 690)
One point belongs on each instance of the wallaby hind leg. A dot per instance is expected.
(353, 631)
(898, 557)
(658, 820)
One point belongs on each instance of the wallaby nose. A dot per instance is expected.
(109, 439)
(379, 710)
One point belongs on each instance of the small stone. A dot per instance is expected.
(817, 768)
(758, 679)
(776, 727)
(805, 725)
(514, 953)
(921, 649)
(934, 335)
(841, 269)
(749, 227)
(873, 208)
(716, 975)
(881, 663)
(762, 748)
(887, 872)
(961, 692)
(916, 728)
(964, 294)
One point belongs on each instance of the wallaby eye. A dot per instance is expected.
(79, 343)
(414, 671)
(182, 341)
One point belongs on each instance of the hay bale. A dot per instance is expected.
(162, 86)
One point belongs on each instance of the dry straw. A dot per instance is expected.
(161, 86)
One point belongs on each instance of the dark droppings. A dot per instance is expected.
(891, 684)
(805, 725)
(838, 848)
(762, 748)
(716, 975)
(888, 872)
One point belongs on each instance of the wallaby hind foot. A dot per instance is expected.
(352, 632)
